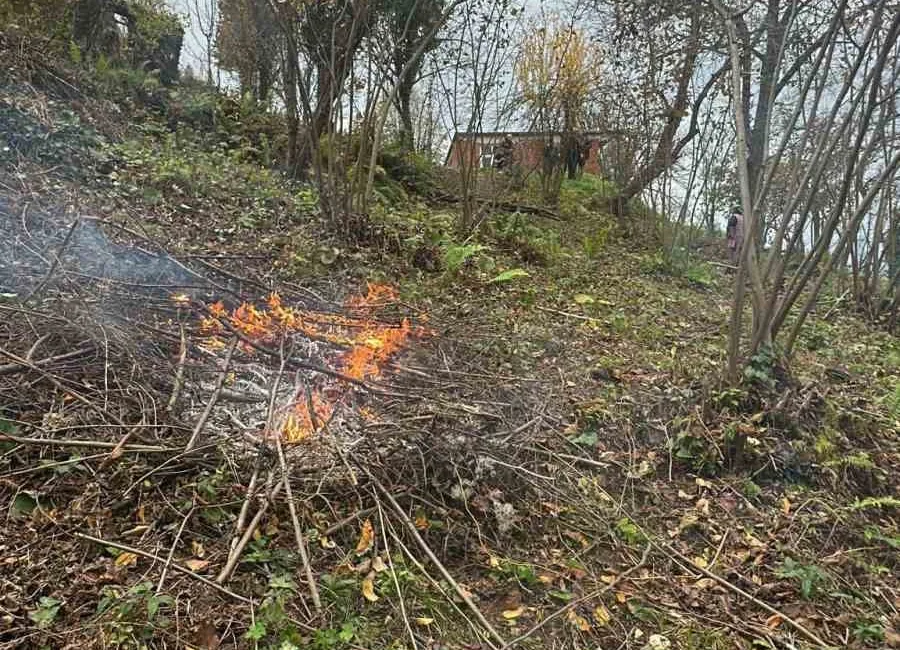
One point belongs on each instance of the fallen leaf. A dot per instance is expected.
(126, 559)
(892, 638)
(608, 579)
(545, 579)
(421, 522)
(658, 642)
(424, 620)
(621, 597)
(785, 506)
(207, 638)
(378, 564)
(368, 588)
(196, 565)
(366, 538)
(601, 615)
(773, 621)
(700, 562)
(511, 614)
(578, 621)
(702, 505)
(197, 548)
(326, 543)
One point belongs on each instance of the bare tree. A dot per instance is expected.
(854, 103)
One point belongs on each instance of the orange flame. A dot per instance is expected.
(369, 343)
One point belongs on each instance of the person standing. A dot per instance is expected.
(734, 235)
(503, 154)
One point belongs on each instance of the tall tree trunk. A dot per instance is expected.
(666, 150)
(404, 110)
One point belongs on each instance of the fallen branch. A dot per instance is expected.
(298, 532)
(55, 264)
(688, 564)
(198, 428)
(179, 372)
(162, 575)
(462, 593)
(235, 555)
(176, 567)
(567, 314)
(84, 443)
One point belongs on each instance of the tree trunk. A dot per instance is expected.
(404, 110)
(666, 149)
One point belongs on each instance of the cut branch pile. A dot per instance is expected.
(110, 344)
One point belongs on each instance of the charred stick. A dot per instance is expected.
(198, 428)
(306, 365)
(163, 251)
(241, 398)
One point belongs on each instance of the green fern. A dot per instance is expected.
(455, 255)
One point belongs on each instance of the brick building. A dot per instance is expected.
(528, 149)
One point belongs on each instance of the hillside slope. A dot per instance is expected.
(544, 458)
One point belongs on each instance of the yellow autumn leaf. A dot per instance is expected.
(700, 562)
(621, 597)
(511, 614)
(368, 589)
(126, 559)
(601, 615)
(197, 548)
(366, 538)
(424, 620)
(578, 621)
(196, 565)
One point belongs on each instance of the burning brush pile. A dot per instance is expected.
(114, 354)
(95, 318)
